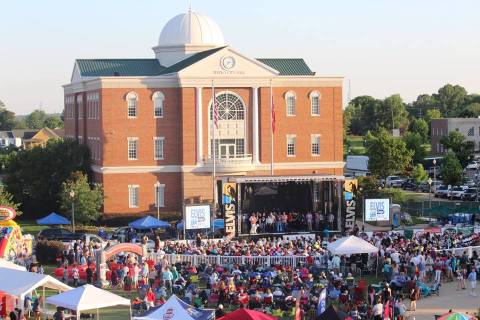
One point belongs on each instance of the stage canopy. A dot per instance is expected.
(278, 179)
(148, 222)
(87, 297)
(351, 245)
(246, 314)
(176, 309)
(53, 219)
(10, 265)
(19, 283)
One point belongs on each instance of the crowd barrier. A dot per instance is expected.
(460, 251)
(195, 260)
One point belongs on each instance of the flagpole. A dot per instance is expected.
(271, 128)
(214, 146)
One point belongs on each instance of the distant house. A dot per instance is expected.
(29, 138)
(356, 166)
(468, 127)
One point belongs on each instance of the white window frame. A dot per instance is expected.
(291, 95)
(158, 96)
(131, 203)
(318, 139)
(294, 137)
(159, 195)
(130, 97)
(131, 139)
(155, 139)
(313, 95)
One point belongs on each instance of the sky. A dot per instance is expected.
(381, 47)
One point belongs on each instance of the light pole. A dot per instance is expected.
(72, 196)
(430, 199)
(157, 200)
(434, 170)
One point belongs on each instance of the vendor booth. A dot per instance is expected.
(246, 314)
(351, 245)
(87, 297)
(53, 219)
(16, 285)
(176, 309)
(147, 223)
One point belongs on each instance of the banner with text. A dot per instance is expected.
(350, 196)
(197, 217)
(229, 200)
(377, 209)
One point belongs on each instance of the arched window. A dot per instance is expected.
(291, 103)
(315, 103)
(158, 99)
(132, 100)
(229, 107)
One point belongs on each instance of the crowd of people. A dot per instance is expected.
(409, 269)
(280, 222)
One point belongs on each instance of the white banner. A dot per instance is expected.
(197, 217)
(377, 209)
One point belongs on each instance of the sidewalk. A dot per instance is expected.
(449, 298)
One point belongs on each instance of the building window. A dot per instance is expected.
(315, 103)
(159, 195)
(290, 100)
(132, 148)
(471, 132)
(158, 147)
(80, 107)
(229, 107)
(158, 100)
(291, 140)
(132, 100)
(133, 196)
(315, 144)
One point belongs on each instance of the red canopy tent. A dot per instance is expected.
(246, 314)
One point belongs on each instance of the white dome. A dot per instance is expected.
(191, 28)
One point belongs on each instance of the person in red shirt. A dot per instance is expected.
(150, 298)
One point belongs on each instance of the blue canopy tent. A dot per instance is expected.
(176, 309)
(53, 219)
(148, 222)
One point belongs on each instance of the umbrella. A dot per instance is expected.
(455, 316)
(218, 224)
(148, 222)
(53, 219)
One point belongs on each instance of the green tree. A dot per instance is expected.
(387, 155)
(6, 199)
(414, 142)
(88, 200)
(432, 114)
(7, 118)
(36, 119)
(462, 148)
(392, 112)
(451, 169)
(419, 174)
(361, 114)
(451, 99)
(53, 122)
(420, 126)
(35, 176)
(471, 111)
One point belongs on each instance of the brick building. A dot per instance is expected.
(149, 122)
(468, 127)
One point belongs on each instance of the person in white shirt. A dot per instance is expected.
(377, 310)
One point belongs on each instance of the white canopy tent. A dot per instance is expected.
(87, 297)
(10, 265)
(176, 309)
(351, 245)
(20, 283)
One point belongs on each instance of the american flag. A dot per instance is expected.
(215, 107)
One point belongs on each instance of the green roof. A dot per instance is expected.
(190, 60)
(119, 67)
(289, 67)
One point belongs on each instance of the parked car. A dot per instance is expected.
(425, 187)
(472, 165)
(456, 192)
(409, 185)
(88, 237)
(394, 182)
(470, 194)
(441, 192)
(59, 234)
(470, 183)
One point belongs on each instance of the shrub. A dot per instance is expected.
(48, 252)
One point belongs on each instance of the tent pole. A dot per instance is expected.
(98, 317)
(43, 303)
(130, 310)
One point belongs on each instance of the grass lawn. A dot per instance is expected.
(30, 227)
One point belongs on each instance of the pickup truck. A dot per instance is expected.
(441, 192)
(394, 182)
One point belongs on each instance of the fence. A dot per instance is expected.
(460, 251)
(195, 260)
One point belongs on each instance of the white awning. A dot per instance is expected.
(351, 245)
(10, 265)
(302, 178)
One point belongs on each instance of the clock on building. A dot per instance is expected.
(227, 62)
